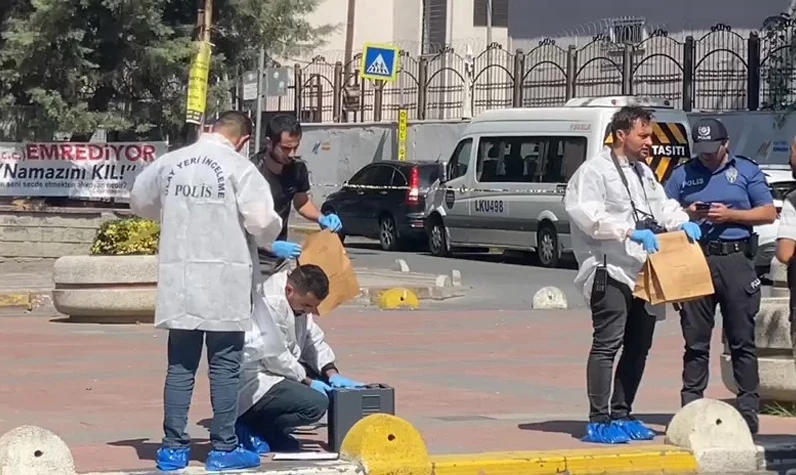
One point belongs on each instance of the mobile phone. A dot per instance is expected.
(703, 206)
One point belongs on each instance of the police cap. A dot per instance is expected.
(708, 135)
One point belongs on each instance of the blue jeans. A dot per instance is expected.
(224, 355)
(287, 405)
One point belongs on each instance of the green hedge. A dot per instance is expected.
(129, 236)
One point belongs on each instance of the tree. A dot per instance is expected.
(76, 65)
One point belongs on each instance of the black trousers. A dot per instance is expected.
(619, 321)
(738, 295)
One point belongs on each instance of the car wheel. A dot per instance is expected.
(388, 234)
(547, 246)
(438, 238)
(340, 233)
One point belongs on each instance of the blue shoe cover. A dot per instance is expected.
(172, 459)
(605, 433)
(249, 441)
(635, 430)
(238, 459)
(284, 443)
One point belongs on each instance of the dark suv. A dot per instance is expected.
(385, 201)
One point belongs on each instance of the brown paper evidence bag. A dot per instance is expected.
(325, 250)
(678, 272)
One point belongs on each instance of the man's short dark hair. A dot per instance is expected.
(282, 123)
(625, 117)
(309, 278)
(235, 122)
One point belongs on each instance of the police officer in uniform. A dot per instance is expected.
(726, 195)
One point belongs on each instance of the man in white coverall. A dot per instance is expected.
(214, 209)
(288, 369)
(786, 240)
(617, 207)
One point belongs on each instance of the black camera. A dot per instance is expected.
(650, 224)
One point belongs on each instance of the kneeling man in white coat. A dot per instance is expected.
(289, 369)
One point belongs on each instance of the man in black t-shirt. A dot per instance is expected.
(289, 179)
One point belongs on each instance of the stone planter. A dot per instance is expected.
(106, 289)
(777, 367)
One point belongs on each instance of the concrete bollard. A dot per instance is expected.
(716, 434)
(549, 298)
(456, 277)
(31, 450)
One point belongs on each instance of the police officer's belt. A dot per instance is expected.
(724, 248)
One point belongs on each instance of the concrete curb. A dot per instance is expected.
(26, 300)
(643, 459)
(379, 444)
(267, 468)
(386, 445)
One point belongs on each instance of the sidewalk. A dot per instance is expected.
(469, 381)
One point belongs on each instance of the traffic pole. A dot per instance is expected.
(193, 125)
(258, 124)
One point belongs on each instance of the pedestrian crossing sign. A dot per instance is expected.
(380, 63)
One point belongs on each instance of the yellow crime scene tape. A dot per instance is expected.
(670, 148)
(462, 189)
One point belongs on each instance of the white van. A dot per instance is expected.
(506, 178)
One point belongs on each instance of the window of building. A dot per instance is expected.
(529, 159)
(435, 25)
(500, 13)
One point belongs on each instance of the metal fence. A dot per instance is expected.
(721, 70)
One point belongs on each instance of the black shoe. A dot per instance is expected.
(753, 422)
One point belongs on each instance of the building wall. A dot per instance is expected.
(583, 19)
(399, 22)
(720, 54)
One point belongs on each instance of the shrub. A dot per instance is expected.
(129, 236)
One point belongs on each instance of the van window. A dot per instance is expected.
(529, 159)
(460, 160)
(669, 147)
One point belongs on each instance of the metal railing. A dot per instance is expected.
(721, 70)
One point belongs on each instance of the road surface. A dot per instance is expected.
(495, 281)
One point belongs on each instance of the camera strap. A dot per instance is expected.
(636, 212)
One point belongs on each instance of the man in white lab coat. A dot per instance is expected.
(786, 240)
(617, 206)
(214, 209)
(289, 368)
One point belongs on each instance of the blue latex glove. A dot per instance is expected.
(647, 239)
(692, 230)
(341, 382)
(321, 387)
(285, 250)
(331, 222)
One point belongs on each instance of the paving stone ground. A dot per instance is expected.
(469, 381)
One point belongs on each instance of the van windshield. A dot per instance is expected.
(669, 147)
